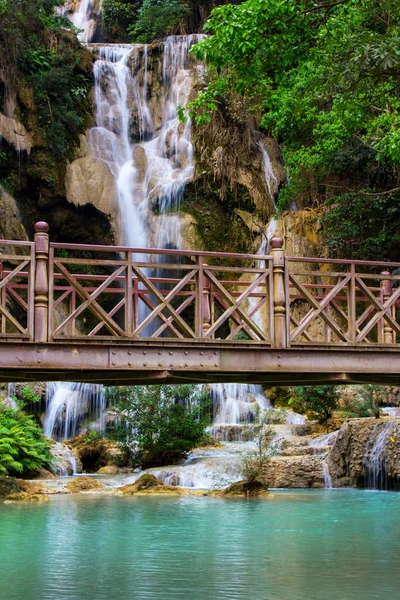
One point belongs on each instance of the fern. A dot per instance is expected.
(23, 447)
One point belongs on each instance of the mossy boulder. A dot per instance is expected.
(25, 496)
(149, 484)
(246, 488)
(109, 470)
(32, 488)
(8, 485)
(84, 484)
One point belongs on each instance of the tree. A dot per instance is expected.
(159, 424)
(323, 78)
(157, 19)
(319, 400)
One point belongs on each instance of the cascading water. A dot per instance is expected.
(376, 477)
(150, 174)
(84, 17)
(69, 404)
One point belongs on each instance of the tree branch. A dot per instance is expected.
(315, 8)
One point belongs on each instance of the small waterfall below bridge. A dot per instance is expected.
(70, 405)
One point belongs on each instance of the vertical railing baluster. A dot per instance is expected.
(41, 299)
(73, 308)
(206, 306)
(3, 301)
(128, 297)
(278, 258)
(199, 283)
(386, 292)
(351, 309)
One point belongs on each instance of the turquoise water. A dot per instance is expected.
(311, 545)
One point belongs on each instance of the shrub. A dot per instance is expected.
(254, 465)
(159, 424)
(23, 447)
(319, 400)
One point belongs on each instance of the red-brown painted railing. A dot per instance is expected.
(128, 294)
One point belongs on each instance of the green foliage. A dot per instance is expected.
(317, 400)
(29, 396)
(23, 448)
(118, 16)
(367, 403)
(39, 54)
(162, 422)
(364, 226)
(326, 78)
(157, 19)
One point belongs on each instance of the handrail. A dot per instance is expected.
(276, 300)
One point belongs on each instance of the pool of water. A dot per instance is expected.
(311, 545)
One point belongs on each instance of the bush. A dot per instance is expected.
(254, 465)
(367, 403)
(23, 447)
(318, 400)
(159, 424)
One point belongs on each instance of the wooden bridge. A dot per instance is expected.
(120, 315)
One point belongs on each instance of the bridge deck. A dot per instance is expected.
(133, 315)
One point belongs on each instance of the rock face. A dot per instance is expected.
(294, 472)
(367, 453)
(95, 453)
(10, 225)
(89, 180)
(15, 134)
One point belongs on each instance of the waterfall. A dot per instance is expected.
(69, 404)
(237, 403)
(150, 173)
(374, 457)
(83, 18)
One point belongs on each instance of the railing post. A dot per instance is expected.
(278, 258)
(41, 282)
(206, 305)
(386, 292)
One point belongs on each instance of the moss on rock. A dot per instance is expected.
(84, 484)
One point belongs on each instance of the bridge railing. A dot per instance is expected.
(17, 274)
(51, 292)
(341, 302)
(120, 293)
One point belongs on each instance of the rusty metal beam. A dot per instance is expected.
(145, 363)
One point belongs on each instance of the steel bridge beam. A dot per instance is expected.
(167, 363)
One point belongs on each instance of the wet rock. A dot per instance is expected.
(246, 488)
(109, 470)
(96, 453)
(25, 496)
(149, 484)
(84, 484)
(15, 134)
(10, 226)
(89, 180)
(32, 488)
(8, 485)
(294, 472)
(367, 453)
(43, 474)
